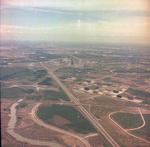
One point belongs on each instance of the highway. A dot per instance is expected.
(92, 119)
(38, 121)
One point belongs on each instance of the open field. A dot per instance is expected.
(128, 120)
(144, 132)
(91, 75)
(47, 81)
(21, 72)
(138, 93)
(41, 56)
(76, 121)
(55, 95)
(7, 72)
(34, 97)
(15, 92)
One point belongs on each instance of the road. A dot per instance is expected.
(142, 120)
(18, 137)
(126, 131)
(38, 121)
(92, 119)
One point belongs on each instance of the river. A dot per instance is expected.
(11, 126)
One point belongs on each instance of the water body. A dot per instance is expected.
(11, 126)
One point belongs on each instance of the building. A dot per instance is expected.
(86, 88)
(115, 91)
(119, 96)
(72, 62)
(88, 81)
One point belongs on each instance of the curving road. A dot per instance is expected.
(11, 126)
(38, 121)
(94, 121)
(142, 120)
(126, 131)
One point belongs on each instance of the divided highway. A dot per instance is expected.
(93, 120)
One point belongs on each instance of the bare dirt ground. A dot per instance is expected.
(71, 141)
(24, 128)
(6, 139)
(49, 87)
(60, 120)
(29, 129)
(135, 110)
(82, 95)
(95, 141)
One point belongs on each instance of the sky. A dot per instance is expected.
(77, 21)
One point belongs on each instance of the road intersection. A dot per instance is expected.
(92, 119)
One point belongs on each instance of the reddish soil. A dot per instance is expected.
(135, 110)
(60, 120)
(95, 141)
(6, 139)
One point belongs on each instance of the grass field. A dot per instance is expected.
(124, 95)
(128, 120)
(74, 71)
(145, 131)
(132, 70)
(110, 80)
(47, 81)
(77, 121)
(42, 56)
(34, 97)
(55, 95)
(139, 93)
(21, 73)
(14, 92)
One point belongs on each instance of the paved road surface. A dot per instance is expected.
(94, 121)
(38, 121)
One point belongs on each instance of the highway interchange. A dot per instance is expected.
(91, 118)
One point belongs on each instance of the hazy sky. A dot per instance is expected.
(88, 21)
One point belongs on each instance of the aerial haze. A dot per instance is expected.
(98, 21)
(75, 73)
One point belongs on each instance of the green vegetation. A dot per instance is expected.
(128, 120)
(55, 95)
(77, 121)
(79, 73)
(110, 80)
(14, 92)
(139, 93)
(146, 102)
(74, 71)
(41, 56)
(146, 76)
(145, 131)
(126, 75)
(21, 105)
(8, 73)
(47, 81)
(132, 70)
(34, 97)
(124, 95)
(106, 84)
(89, 56)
